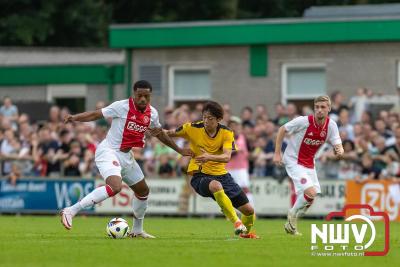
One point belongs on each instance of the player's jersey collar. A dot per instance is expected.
(216, 132)
(134, 106)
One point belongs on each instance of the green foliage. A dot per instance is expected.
(85, 22)
(53, 23)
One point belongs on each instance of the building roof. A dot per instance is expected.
(255, 32)
(15, 56)
(366, 11)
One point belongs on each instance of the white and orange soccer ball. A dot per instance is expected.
(117, 228)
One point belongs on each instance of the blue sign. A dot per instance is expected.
(45, 195)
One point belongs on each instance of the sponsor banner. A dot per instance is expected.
(164, 198)
(375, 194)
(42, 195)
(332, 198)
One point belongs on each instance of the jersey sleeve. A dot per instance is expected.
(229, 141)
(113, 110)
(296, 124)
(334, 137)
(181, 131)
(154, 119)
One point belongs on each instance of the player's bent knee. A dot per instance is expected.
(114, 183)
(246, 209)
(311, 192)
(215, 186)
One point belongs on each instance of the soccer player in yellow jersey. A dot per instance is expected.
(212, 144)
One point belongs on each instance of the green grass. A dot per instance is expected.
(42, 241)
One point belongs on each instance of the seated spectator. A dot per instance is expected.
(368, 170)
(72, 163)
(349, 164)
(165, 168)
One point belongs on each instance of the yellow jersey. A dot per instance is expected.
(198, 138)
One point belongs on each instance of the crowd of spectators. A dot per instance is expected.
(51, 148)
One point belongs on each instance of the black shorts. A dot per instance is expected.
(200, 183)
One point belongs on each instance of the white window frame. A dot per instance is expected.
(284, 86)
(171, 84)
(398, 74)
(65, 91)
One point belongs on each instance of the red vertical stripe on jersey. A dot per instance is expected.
(135, 126)
(313, 138)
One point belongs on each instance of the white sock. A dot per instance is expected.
(96, 196)
(139, 209)
(302, 201)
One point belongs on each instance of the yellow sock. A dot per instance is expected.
(248, 221)
(226, 205)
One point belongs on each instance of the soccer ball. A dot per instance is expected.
(117, 228)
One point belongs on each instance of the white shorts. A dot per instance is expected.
(114, 162)
(302, 177)
(241, 177)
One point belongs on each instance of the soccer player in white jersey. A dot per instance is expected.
(131, 118)
(306, 136)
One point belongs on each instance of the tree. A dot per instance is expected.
(53, 23)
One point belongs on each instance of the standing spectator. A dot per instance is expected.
(280, 114)
(73, 160)
(227, 114)
(261, 112)
(358, 104)
(9, 111)
(169, 118)
(344, 124)
(49, 153)
(291, 111)
(54, 123)
(337, 105)
(9, 147)
(247, 116)
(238, 166)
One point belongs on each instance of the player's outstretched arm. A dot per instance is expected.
(171, 133)
(166, 139)
(278, 146)
(84, 117)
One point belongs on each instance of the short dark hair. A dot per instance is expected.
(142, 84)
(214, 108)
(249, 109)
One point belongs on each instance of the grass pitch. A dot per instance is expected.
(42, 241)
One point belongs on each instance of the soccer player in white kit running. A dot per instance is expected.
(307, 134)
(131, 118)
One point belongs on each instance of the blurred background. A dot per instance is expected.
(264, 60)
